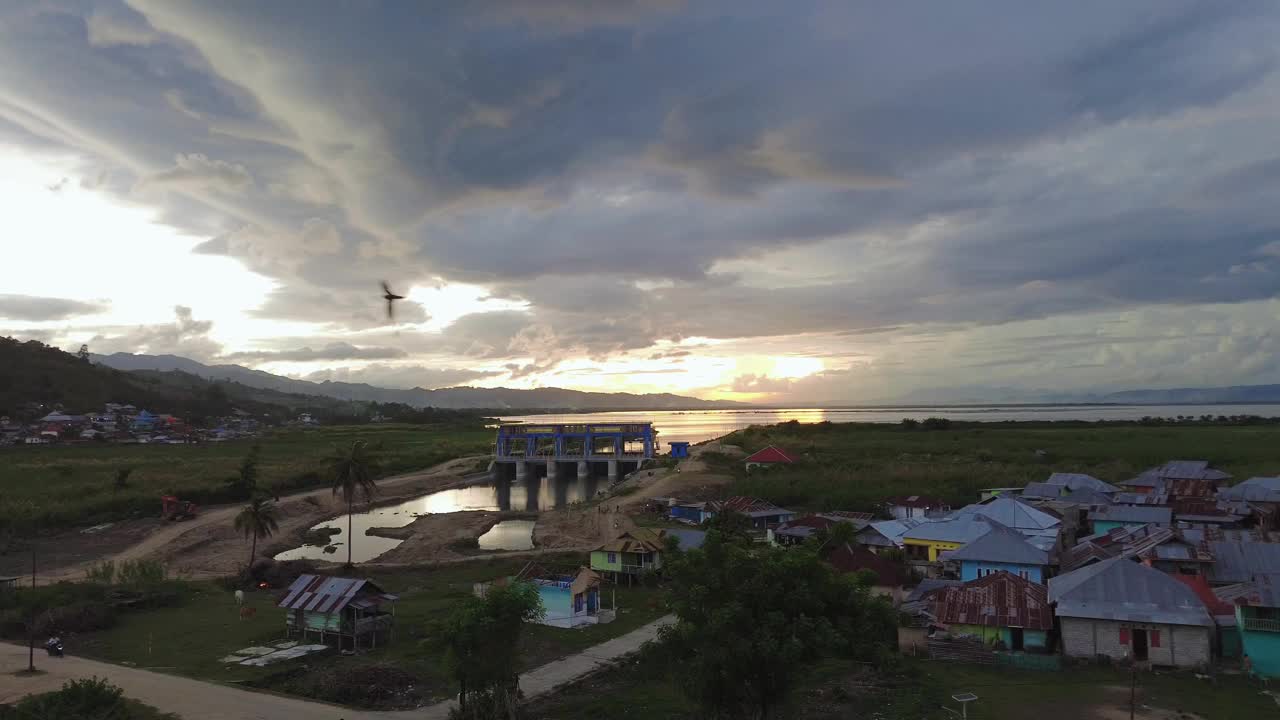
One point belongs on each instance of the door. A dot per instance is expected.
(1016, 640)
(1139, 645)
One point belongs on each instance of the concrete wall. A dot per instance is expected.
(1263, 648)
(970, 570)
(1180, 645)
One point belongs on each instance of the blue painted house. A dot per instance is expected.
(1257, 605)
(1001, 549)
(569, 599)
(1004, 611)
(679, 449)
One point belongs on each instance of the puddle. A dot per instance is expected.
(532, 495)
(509, 535)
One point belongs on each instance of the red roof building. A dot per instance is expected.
(1000, 599)
(849, 558)
(769, 456)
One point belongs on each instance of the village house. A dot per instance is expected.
(1000, 550)
(1154, 479)
(1001, 610)
(1127, 611)
(352, 613)
(631, 553)
(1015, 514)
(798, 530)
(1166, 549)
(1080, 481)
(761, 514)
(1257, 615)
(569, 599)
(915, 506)
(891, 578)
(1110, 517)
(1238, 555)
(885, 535)
(926, 541)
(768, 457)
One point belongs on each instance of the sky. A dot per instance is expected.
(802, 202)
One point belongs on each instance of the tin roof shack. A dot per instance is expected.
(798, 530)
(1154, 479)
(884, 534)
(1119, 516)
(915, 506)
(1002, 610)
(1124, 610)
(1072, 482)
(353, 613)
(1257, 608)
(570, 598)
(891, 577)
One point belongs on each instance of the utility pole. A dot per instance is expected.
(1133, 689)
(31, 622)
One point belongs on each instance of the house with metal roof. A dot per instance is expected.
(1155, 478)
(915, 506)
(631, 553)
(353, 613)
(1080, 481)
(892, 577)
(926, 541)
(800, 529)
(1002, 609)
(768, 457)
(1013, 513)
(885, 534)
(1000, 550)
(1125, 610)
(1042, 491)
(1257, 608)
(1114, 516)
(1255, 489)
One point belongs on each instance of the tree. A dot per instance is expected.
(750, 616)
(122, 477)
(83, 353)
(482, 639)
(353, 469)
(837, 535)
(245, 482)
(258, 519)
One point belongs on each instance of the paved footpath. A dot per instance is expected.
(198, 700)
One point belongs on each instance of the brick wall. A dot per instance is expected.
(1178, 645)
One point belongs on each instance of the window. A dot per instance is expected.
(613, 558)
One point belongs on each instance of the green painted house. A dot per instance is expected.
(1257, 604)
(631, 553)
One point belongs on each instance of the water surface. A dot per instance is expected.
(509, 535)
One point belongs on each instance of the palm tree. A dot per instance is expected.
(258, 519)
(353, 469)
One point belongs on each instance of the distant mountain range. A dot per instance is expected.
(983, 395)
(454, 397)
(1195, 396)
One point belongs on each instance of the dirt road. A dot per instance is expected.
(207, 533)
(196, 700)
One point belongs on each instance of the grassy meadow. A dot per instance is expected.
(854, 466)
(56, 487)
(212, 628)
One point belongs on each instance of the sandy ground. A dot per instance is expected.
(1117, 708)
(208, 546)
(688, 481)
(436, 538)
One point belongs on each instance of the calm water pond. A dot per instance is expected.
(509, 535)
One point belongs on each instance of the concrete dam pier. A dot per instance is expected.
(612, 449)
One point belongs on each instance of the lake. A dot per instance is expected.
(699, 425)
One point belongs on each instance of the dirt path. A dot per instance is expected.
(689, 479)
(196, 700)
(203, 541)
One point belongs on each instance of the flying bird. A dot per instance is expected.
(391, 298)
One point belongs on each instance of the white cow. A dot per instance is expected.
(239, 597)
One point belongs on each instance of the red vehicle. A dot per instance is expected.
(171, 508)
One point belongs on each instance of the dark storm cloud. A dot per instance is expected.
(27, 307)
(658, 170)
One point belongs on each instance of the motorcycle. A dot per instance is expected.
(53, 646)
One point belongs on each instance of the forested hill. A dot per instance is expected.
(35, 377)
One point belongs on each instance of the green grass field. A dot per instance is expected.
(856, 466)
(839, 689)
(191, 638)
(51, 488)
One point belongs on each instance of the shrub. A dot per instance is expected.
(936, 423)
(92, 698)
(81, 617)
(104, 573)
(137, 573)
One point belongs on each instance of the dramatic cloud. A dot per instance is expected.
(332, 351)
(185, 336)
(636, 174)
(26, 307)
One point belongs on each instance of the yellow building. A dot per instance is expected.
(926, 540)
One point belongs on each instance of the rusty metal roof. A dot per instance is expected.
(997, 600)
(1189, 488)
(325, 594)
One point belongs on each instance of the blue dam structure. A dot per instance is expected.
(615, 448)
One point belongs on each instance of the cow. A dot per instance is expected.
(248, 612)
(239, 597)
